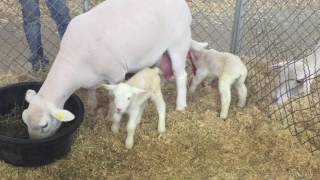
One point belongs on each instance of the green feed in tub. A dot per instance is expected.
(12, 125)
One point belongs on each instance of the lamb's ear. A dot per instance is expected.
(301, 78)
(203, 44)
(199, 45)
(109, 87)
(62, 115)
(278, 65)
(137, 90)
(30, 94)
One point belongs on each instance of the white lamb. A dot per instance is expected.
(228, 68)
(130, 97)
(295, 78)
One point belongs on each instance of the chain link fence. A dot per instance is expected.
(263, 33)
(213, 21)
(279, 41)
(14, 48)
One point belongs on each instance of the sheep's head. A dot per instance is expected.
(291, 81)
(123, 94)
(42, 117)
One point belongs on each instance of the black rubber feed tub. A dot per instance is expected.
(22, 151)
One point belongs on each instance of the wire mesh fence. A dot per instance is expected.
(278, 40)
(213, 22)
(14, 49)
(280, 44)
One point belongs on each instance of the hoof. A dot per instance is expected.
(161, 130)
(223, 116)
(241, 105)
(181, 109)
(129, 144)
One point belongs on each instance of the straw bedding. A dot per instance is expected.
(197, 145)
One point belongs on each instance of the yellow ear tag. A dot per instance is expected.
(59, 116)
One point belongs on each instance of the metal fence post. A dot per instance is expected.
(237, 26)
(85, 5)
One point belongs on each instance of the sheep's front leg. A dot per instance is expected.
(225, 96)
(116, 122)
(197, 79)
(161, 108)
(131, 126)
(142, 106)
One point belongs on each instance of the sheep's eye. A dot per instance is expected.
(45, 126)
(129, 98)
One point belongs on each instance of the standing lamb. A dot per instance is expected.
(228, 68)
(103, 45)
(295, 78)
(131, 96)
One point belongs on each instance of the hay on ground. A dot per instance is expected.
(197, 145)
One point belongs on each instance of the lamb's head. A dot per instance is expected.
(123, 95)
(292, 80)
(42, 117)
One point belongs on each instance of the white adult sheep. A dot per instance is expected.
(112, 39)
(295, 78)
(228, 68)
(131, 96)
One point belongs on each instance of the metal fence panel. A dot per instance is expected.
(283, 31)
(213, 22)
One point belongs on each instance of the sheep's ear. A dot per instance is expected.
(62, 115)
(30, 94)
(300, 78)
(137, 90)
(278, 65)
(199, 45)
(109, 87)
(203, 44)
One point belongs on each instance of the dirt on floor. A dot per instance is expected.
(197, 145)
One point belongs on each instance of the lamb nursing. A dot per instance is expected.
(228, 68)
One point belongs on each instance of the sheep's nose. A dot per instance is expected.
(118, 110)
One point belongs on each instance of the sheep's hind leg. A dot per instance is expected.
(242, 92)
(225, 96)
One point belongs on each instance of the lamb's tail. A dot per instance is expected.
(198, 45)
